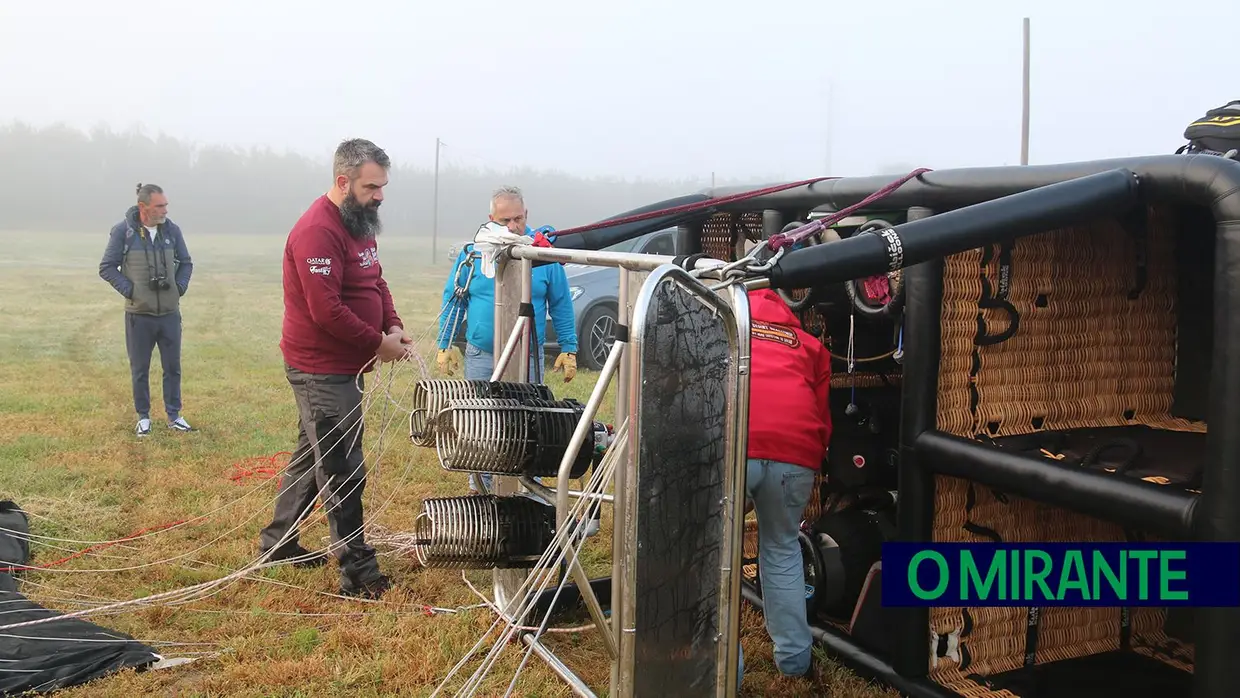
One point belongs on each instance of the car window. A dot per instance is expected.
(662, 244)
(625, 246)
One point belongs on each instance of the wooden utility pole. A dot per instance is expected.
(1024, 119)
(830, 126)
(435, 210)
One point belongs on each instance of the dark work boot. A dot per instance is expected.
(369, 590)
(303, 559)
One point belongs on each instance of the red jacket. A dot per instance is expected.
(789, 377)
(337, 306)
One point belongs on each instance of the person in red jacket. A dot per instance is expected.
(789, 432)
(338, 316)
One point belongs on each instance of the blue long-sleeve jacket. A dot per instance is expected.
(477, 308)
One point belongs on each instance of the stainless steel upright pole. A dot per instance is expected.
(1024, 119)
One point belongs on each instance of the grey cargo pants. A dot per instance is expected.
(329, 458)
(142, 334)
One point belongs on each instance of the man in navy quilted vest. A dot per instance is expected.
(147, 262)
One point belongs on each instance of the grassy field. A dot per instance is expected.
(68, 456)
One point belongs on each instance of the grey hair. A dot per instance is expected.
(145, 191)
(506, 193)
(355, 152)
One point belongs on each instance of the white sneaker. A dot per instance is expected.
(179, 424)
(143, 428)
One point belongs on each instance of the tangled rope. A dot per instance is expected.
(260, 468)
(100, 546)
(565, 547)
(204, 590)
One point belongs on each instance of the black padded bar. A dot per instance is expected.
(923, 289)
(1094, 196)
(607, 236)
(1127, 501)
(1185, 177)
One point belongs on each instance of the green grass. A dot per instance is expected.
(68, 456)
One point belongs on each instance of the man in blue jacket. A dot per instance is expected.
(469, 297)
(147, 262)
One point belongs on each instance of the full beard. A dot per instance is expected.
(362, 221)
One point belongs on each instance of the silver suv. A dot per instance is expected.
(595, 293)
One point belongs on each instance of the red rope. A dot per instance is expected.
(262, 468)
(791, 237)
(744, 196)
(688, 208)
(98, 546)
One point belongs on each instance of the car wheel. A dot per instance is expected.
(598, 333)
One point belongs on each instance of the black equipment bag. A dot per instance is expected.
(14, 544)
(1216, 133)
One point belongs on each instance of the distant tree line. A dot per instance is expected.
(58, 178)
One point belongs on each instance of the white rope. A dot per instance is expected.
(34, 537)
(178, 597)
(194, 591)
(564, 537)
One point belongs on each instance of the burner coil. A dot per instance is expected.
(483, 532)
(431, 396)
(511, 436)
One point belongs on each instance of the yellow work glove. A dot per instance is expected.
(568, 364)
(448, 361)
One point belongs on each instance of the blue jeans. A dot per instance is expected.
(478, 367)
(780, 492)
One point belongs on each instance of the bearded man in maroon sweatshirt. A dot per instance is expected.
(338, 317)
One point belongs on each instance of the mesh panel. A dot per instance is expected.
(717, 237)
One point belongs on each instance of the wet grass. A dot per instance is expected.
(68, 456)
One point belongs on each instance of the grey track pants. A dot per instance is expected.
(328, 458)
(142, 334)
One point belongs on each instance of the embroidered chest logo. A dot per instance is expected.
(369, 257)
(775, 333)
(320, 265)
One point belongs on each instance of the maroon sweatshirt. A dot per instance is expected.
(337, 306)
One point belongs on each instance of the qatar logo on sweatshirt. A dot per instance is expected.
(320, 265)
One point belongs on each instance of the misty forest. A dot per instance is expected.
(83, 181)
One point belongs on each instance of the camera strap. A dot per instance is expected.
(149, 249)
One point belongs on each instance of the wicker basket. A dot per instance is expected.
(1072, 291)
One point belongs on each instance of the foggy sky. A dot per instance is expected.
(672, 89)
